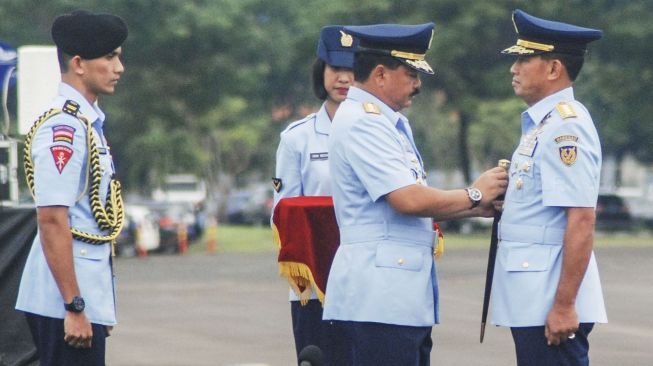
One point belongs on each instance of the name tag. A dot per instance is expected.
(319, 156)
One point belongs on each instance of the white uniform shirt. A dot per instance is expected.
(303, 162)
(557, 165)
(59, 154)
(383, 270)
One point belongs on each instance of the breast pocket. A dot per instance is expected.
(397, 256)
(83, 250)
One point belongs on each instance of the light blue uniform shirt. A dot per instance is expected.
(59, 154)
(303, 162)
(383, 270)
(557, 165)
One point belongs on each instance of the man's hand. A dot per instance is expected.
(561, 324)
(77, 330)
(492, 184)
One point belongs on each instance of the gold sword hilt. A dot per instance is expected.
(504, 163)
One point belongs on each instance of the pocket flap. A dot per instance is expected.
(532, 258)
(399, 256)
(90, 251)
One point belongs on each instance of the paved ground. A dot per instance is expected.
(231, 309)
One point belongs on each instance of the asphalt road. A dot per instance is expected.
(232, 310)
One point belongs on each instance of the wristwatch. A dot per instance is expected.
(474, 195)
(76, 306)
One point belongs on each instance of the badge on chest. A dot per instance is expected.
(527, 146)
(319, 156)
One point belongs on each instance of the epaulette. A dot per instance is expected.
(299, 122)
(70, 107)
(565, 110)
(370, 107)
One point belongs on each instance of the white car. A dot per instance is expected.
(144, 228)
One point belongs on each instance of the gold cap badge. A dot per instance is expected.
(346, 40)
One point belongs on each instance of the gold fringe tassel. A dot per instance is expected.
(298, 274)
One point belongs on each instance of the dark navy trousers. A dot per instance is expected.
(376, 344)
(310, 329)
(532, 350)
(48, 336)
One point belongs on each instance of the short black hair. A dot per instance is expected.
(365, 62)
(317, 78)
(63, 59)
(573, 63)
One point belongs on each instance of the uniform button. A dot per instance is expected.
(527, 166)
(82, 252)
(400, 262)
(525, 265)
(519, 183)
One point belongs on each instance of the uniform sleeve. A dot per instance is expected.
(377, 158)
(58, 154)
(288, 169)
(571, 165)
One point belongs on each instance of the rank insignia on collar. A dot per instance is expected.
(568, 154)
(277, 184)
(371, 108)
(565, 110)
(61, 155)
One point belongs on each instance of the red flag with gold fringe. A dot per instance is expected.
(307, 233)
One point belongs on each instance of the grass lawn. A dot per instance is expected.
(259, 239)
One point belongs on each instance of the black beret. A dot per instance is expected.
(88, 35)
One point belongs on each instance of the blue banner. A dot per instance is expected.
(8, 59)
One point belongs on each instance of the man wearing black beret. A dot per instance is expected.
(67, 288)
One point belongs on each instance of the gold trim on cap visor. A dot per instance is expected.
(535, 45)
(408, 55)
(518, 50)
(420, 65)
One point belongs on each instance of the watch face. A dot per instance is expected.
(475, 194)
(78, 303)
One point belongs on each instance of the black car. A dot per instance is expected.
(612, 213)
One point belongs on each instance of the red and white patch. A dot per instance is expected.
(61, 155)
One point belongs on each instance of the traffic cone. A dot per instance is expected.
(182, 238)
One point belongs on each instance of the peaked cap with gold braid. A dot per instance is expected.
(537, 36)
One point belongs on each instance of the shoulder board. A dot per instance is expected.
(70, 107)
(371, 108)
(565, 110)
(300, 122)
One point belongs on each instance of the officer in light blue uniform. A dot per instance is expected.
(66, 278)
(302, 169)
(546, 281)
(382, 287)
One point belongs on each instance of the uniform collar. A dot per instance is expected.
(363, 96)
(542, 108)
(322, 121)
(90, 111)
